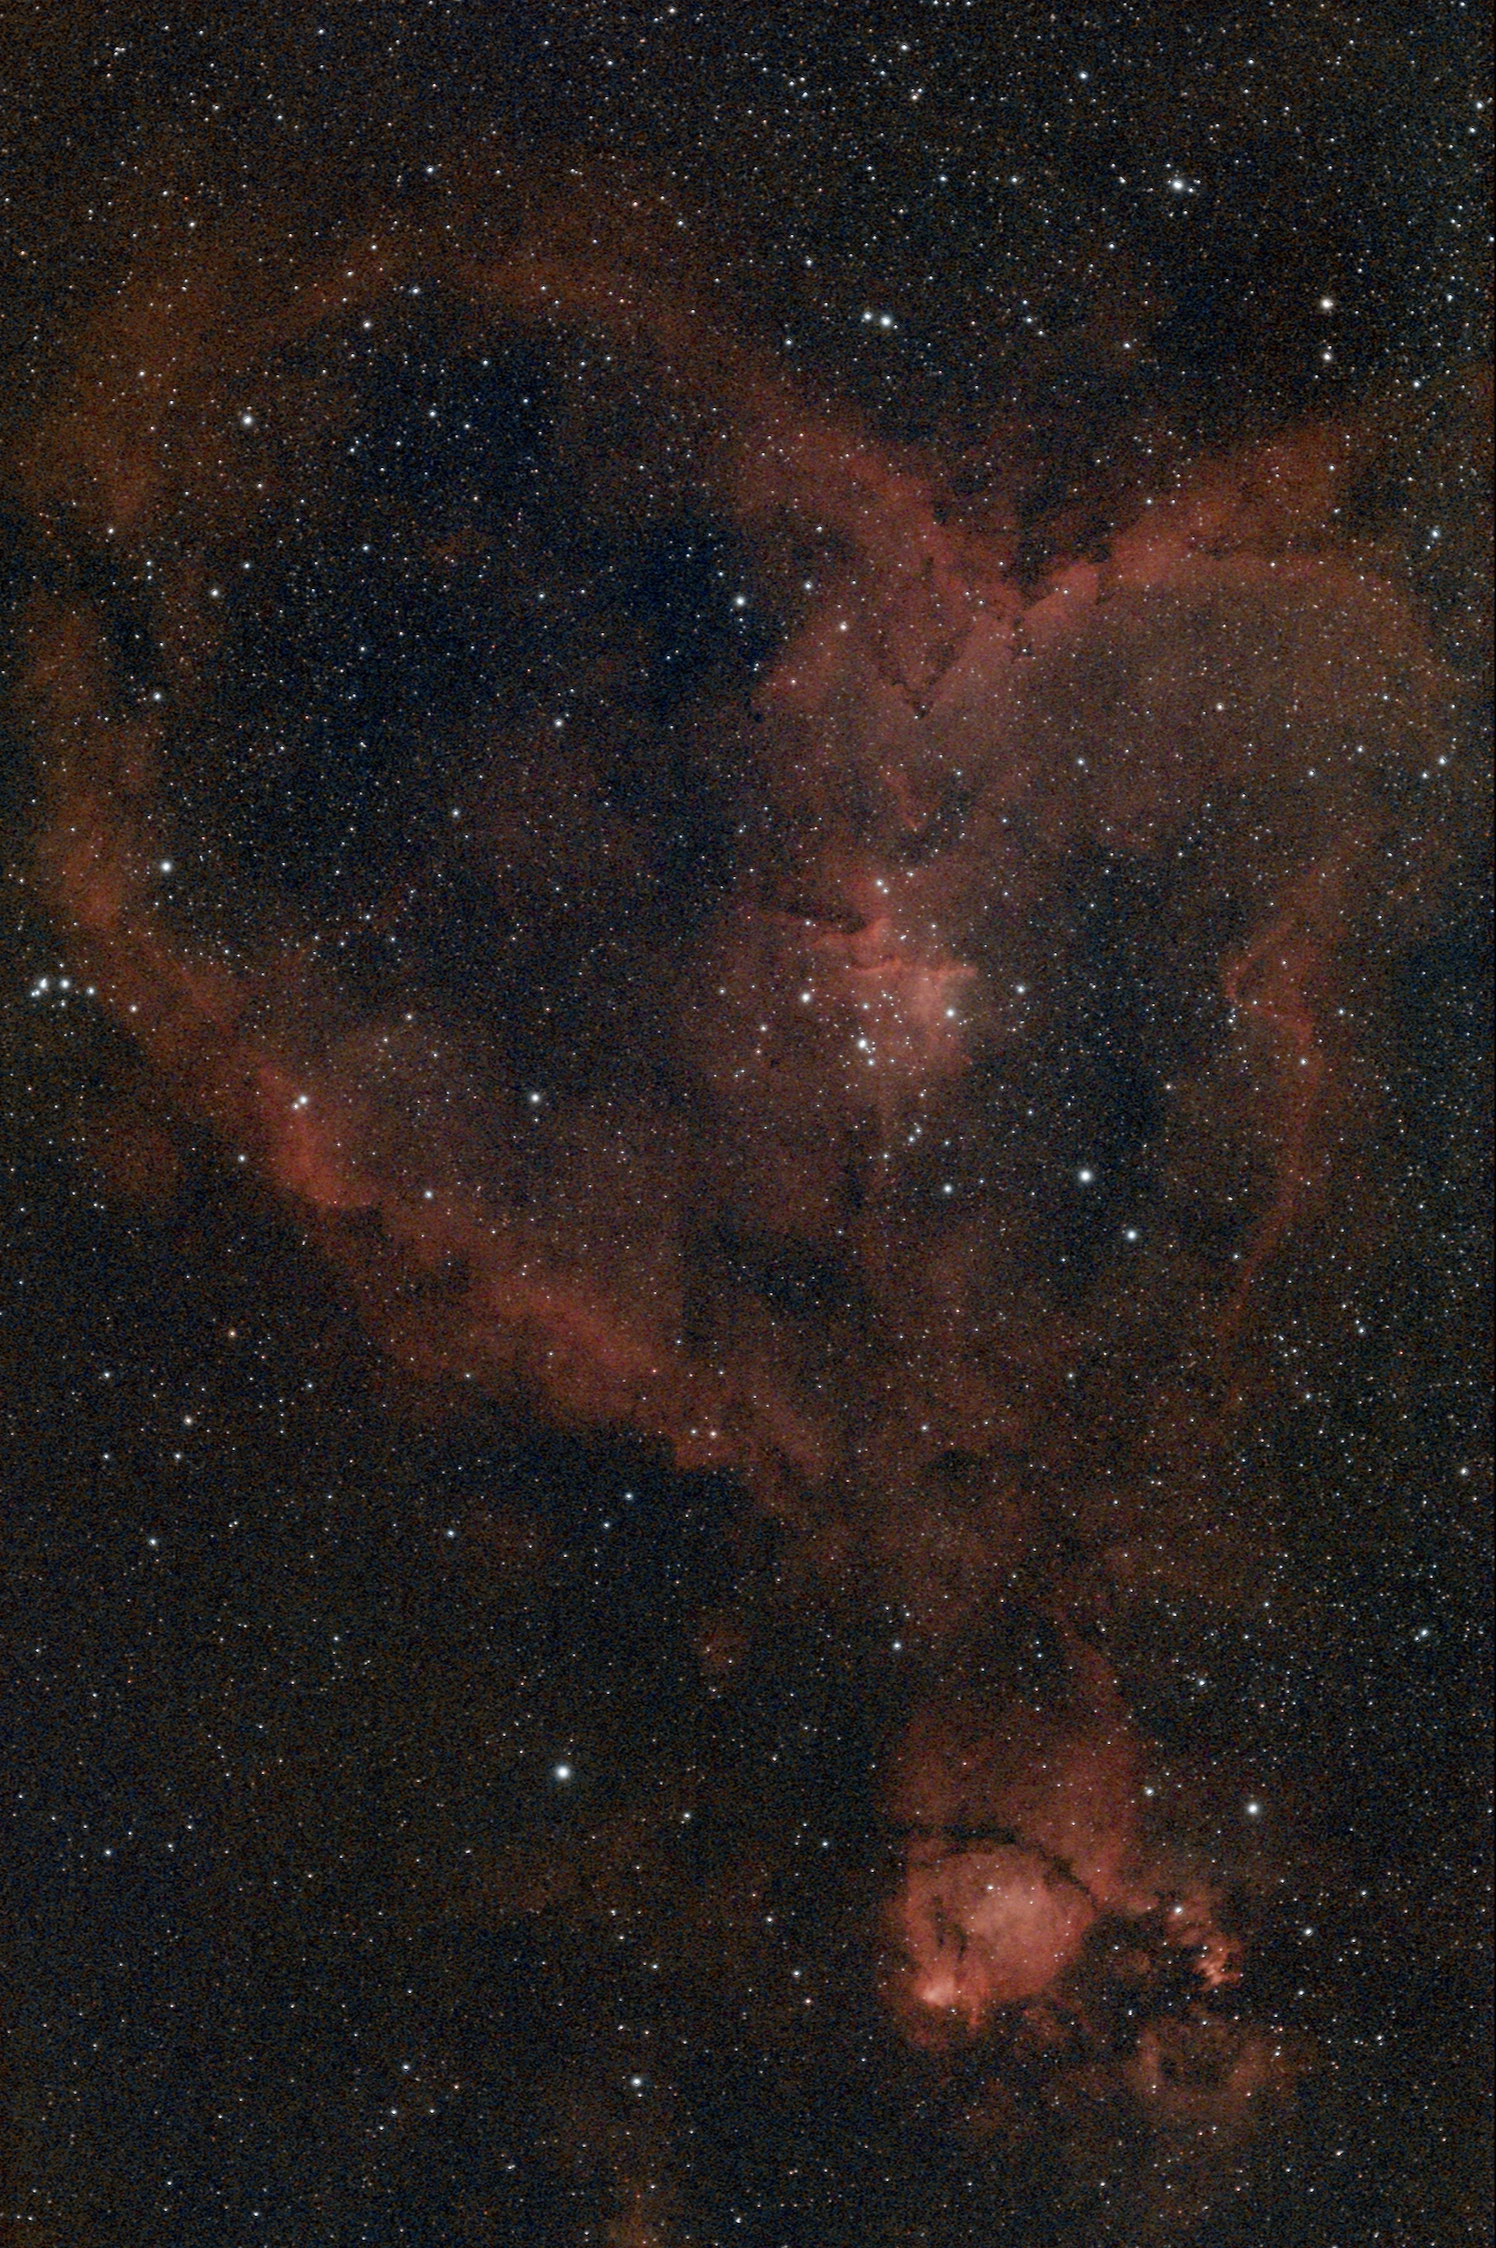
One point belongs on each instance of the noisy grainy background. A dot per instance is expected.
(744, 990)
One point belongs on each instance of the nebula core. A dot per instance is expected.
(885, 1046)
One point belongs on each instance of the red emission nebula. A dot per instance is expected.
(793, 1165)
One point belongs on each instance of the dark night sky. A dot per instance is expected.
(744, 970)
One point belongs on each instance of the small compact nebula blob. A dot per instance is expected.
(1023, 1836)
(989, 1927)
(707, 944)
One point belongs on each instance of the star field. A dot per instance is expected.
(744, 1107)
